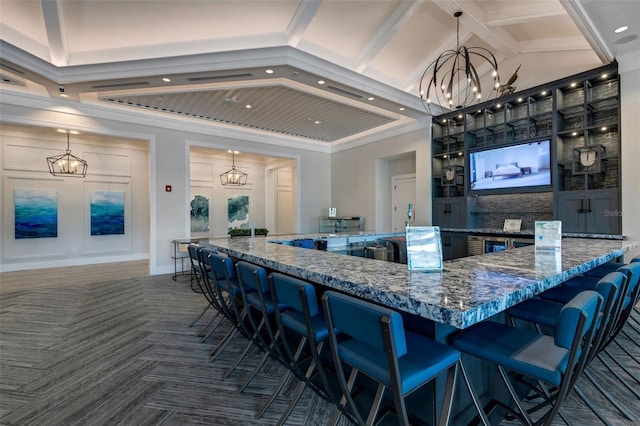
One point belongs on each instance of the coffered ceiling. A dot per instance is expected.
(320, 72)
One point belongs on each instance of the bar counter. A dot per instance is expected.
(467, 291)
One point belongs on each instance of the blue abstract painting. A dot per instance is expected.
(107, 213)
(36, 213)
(238, 212)
(199, 214)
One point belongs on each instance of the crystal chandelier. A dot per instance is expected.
(67, 164)
(452, 80)
(233, 177)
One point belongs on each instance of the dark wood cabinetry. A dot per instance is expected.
(450, 212)
(454, 245)
(579, 115)
(593, 212)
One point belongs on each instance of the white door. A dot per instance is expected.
(403, 194)
(284, 213)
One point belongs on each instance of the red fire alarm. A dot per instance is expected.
(167, 188)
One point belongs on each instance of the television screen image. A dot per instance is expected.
(525, 165)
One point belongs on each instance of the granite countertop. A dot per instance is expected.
(467, 291)
(530, 233)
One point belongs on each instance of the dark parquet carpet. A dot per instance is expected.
(121, 352)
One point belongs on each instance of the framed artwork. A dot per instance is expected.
(107, 213)
(36, 213)
(199, 214)
(238, 211)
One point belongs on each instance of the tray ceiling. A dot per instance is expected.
(369, 55)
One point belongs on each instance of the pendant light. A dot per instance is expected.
(67, 164)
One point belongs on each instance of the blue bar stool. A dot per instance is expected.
(196, 273)
(227, 289)
(204, 276)
(376, 344)
(613, 289)
(305, 319)
(304, 243)
(602, 270)
(256, 297)
(553, 360)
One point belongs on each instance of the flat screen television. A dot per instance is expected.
(524, 167)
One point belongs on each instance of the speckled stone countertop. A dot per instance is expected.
(467, 291)
(525, 232)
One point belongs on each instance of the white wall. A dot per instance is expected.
(629, 69)
(361, 177)
(169, 142)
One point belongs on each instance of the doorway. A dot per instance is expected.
(403, 193)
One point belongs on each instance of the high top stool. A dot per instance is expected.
(256, 297)
(602, 270)
(227, 288)
(305, 319)
(205, 275)
(196, 273)
(554, 360)
(613, 289)
(376, 344)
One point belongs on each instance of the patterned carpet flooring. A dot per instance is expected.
(121, 353)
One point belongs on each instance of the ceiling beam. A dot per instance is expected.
(473, 20)
(301, 19)
(512, 13)
(54, 24)
(588, 29)
(388, 29)
(555, 44)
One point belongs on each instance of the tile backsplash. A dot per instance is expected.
(492, 210)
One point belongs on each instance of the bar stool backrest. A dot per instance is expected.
(252, 277)
(579, 314)
(359, 320)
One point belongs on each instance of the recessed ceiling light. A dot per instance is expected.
(166, 79)
(248, 106)
(519, 99)
(574, 84)
(370, 98)
(269, 71)
(459, 115)
(401, 108)
(444, 156)
(444, 120)
(317, 122)
(459, 154)
(605, 75)
(603, 129)
(544, 92)
(321, 81)
(574, 134)
(499, 106)
(621, 29)
(64, 95)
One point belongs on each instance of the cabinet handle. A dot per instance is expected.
(588, 209)
(581, 209)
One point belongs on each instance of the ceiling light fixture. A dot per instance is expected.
(67, 164)
(233, 177)
(621, 29)
(321, 82)
(166, 79)
(452, 80)
(269, 71)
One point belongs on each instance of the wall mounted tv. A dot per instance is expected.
(524, 167)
